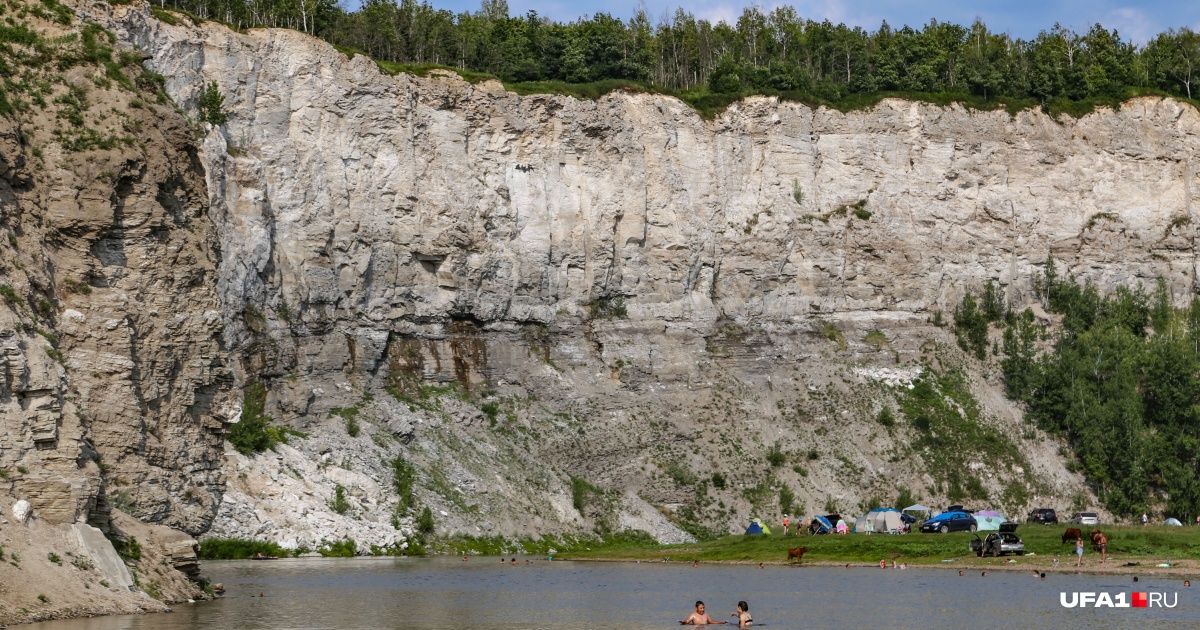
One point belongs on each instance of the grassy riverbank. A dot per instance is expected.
(1148, 546)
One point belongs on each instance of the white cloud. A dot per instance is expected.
(1132, 24)
(835, 11)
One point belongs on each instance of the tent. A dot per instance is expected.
(988, 520)
(822, 525)
(919, 509)
(881, 520)
(1173, 522)
(757, 527)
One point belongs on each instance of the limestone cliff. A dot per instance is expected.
(514, 291)
(112, 370)
(520, 293)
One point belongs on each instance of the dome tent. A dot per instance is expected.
(882, 520)
(757, 527)
(988, 520)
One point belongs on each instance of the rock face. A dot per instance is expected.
(619, 291)
(112, 371)
(110, 348)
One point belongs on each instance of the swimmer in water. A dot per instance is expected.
(700, 618)
(760, 565)
(695, 563)
(743, 615)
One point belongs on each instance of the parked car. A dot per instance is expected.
(1045, 516)
(956, 508)
(908, 521)
(1085, 518)
(950, 522)
(1000, 542)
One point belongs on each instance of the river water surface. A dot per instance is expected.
(483, 593)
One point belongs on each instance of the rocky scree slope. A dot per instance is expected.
(542, 290)
(112, 369)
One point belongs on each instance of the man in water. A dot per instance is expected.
(700, 618)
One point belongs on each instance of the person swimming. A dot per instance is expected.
(743, 615)
(700, 618)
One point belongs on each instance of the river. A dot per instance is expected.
(483, 593)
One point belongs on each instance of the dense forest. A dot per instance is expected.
(773, 52)
(1118, 379)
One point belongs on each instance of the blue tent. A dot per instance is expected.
(754, 528)
(823, 526)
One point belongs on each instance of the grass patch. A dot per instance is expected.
(10, 295)
(830, 332)
(1125, 543)
(350, 415)
(548, 544)
(950, 433)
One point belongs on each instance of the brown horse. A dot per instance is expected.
(1072, 534)
(797, 553)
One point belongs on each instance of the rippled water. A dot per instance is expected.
(483, 593)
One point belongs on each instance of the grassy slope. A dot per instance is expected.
(1148, 545)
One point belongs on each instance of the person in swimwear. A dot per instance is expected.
(743, 615)
(700, 618)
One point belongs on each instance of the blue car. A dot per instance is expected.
(945, 522)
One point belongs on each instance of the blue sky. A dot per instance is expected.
(1021, 18)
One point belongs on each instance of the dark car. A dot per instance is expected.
(1045, 516)
(999, 543)
(908, 521)
(957, 521)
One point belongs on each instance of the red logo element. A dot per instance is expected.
(1139, 599)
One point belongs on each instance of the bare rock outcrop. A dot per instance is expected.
(622, 291)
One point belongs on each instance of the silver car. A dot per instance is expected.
(1085, 518)
(999, 543)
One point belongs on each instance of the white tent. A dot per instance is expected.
(918, 508)
(880, 520)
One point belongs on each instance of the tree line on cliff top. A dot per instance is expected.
(1117, 379)
(777, 51)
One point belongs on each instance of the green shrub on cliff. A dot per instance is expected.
(250, 435)
(237, 549)
(211, 106)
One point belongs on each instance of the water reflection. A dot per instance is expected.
(448, 593)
